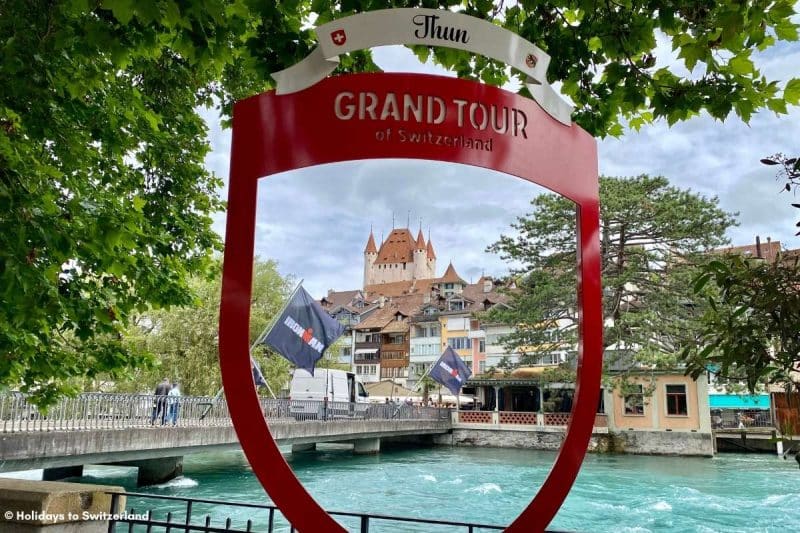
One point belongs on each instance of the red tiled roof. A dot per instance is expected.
(420, 241)
(451, 276)
(378, 319)
(397, 248)
(769, 250)
(341, 298)
(371, 248)
(431, 253)
(395, 326)
(399, 288)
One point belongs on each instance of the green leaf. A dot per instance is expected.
(792, 91)
(123, 10)
(786, 30)
(595, 44)
(741, 65)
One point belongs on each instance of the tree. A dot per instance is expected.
(750, 328)
(184, 339)
(789, 171)
(652, 235)
(604, 54)
(104, 200)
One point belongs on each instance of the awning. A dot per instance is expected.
(736, 401)
(366, 350)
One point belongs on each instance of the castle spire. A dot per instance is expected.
(420, 241)
(431, 253)
(371, 248)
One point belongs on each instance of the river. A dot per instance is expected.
(614, 493)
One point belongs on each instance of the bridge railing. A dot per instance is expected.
(110, 411)
(90, 411)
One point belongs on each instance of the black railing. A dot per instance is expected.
(192, 515)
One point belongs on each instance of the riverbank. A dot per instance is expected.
(639, 442)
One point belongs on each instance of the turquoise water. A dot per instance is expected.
(729, 493)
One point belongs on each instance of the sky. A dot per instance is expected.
(319, 235)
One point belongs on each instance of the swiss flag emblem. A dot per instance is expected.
(339, 37)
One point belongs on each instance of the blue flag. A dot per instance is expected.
(450, 371)
(258, 377)
(303, 331)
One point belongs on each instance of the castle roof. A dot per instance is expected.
(420, 241)
(371, 248)
(431, 253)
(397, 248)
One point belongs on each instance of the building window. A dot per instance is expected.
(482, 346)
(457, 305)
(397, 339)
(634, 403)
(549, 359)
(482, 366)
(346, 351)
(676, 400)
(448, 286)
(459, 343)
(372, 337)
(359, 369)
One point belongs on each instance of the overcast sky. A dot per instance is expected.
(320, 235)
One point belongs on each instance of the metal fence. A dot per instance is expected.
(90, 411)
(741, 418)
(181, 514)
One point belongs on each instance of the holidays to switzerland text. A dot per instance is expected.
(41, 516)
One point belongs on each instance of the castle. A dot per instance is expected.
(400, 258)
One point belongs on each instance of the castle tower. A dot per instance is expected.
(431, 258)
(370, 255)
(420, 258)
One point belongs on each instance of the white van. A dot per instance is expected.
(329, 393)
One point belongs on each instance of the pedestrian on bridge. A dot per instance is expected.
(160, 408)
(174, 403)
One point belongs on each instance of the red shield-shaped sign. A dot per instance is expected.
(339, 37)
(375, 113)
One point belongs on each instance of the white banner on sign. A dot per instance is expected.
(430, 27)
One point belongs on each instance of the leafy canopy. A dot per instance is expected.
(185, 338)
(105, 203)
(652, 235)
(750, 329)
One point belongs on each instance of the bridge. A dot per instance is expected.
(123, 429)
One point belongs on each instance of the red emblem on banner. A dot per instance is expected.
(339, 37)
(531, 60)
(273, 133)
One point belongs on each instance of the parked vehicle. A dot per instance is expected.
(329, 393)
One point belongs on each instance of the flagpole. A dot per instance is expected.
(275, 318)
(423, 376)
(260, 338)
(269, 328)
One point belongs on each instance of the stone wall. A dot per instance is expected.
(634, 442)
